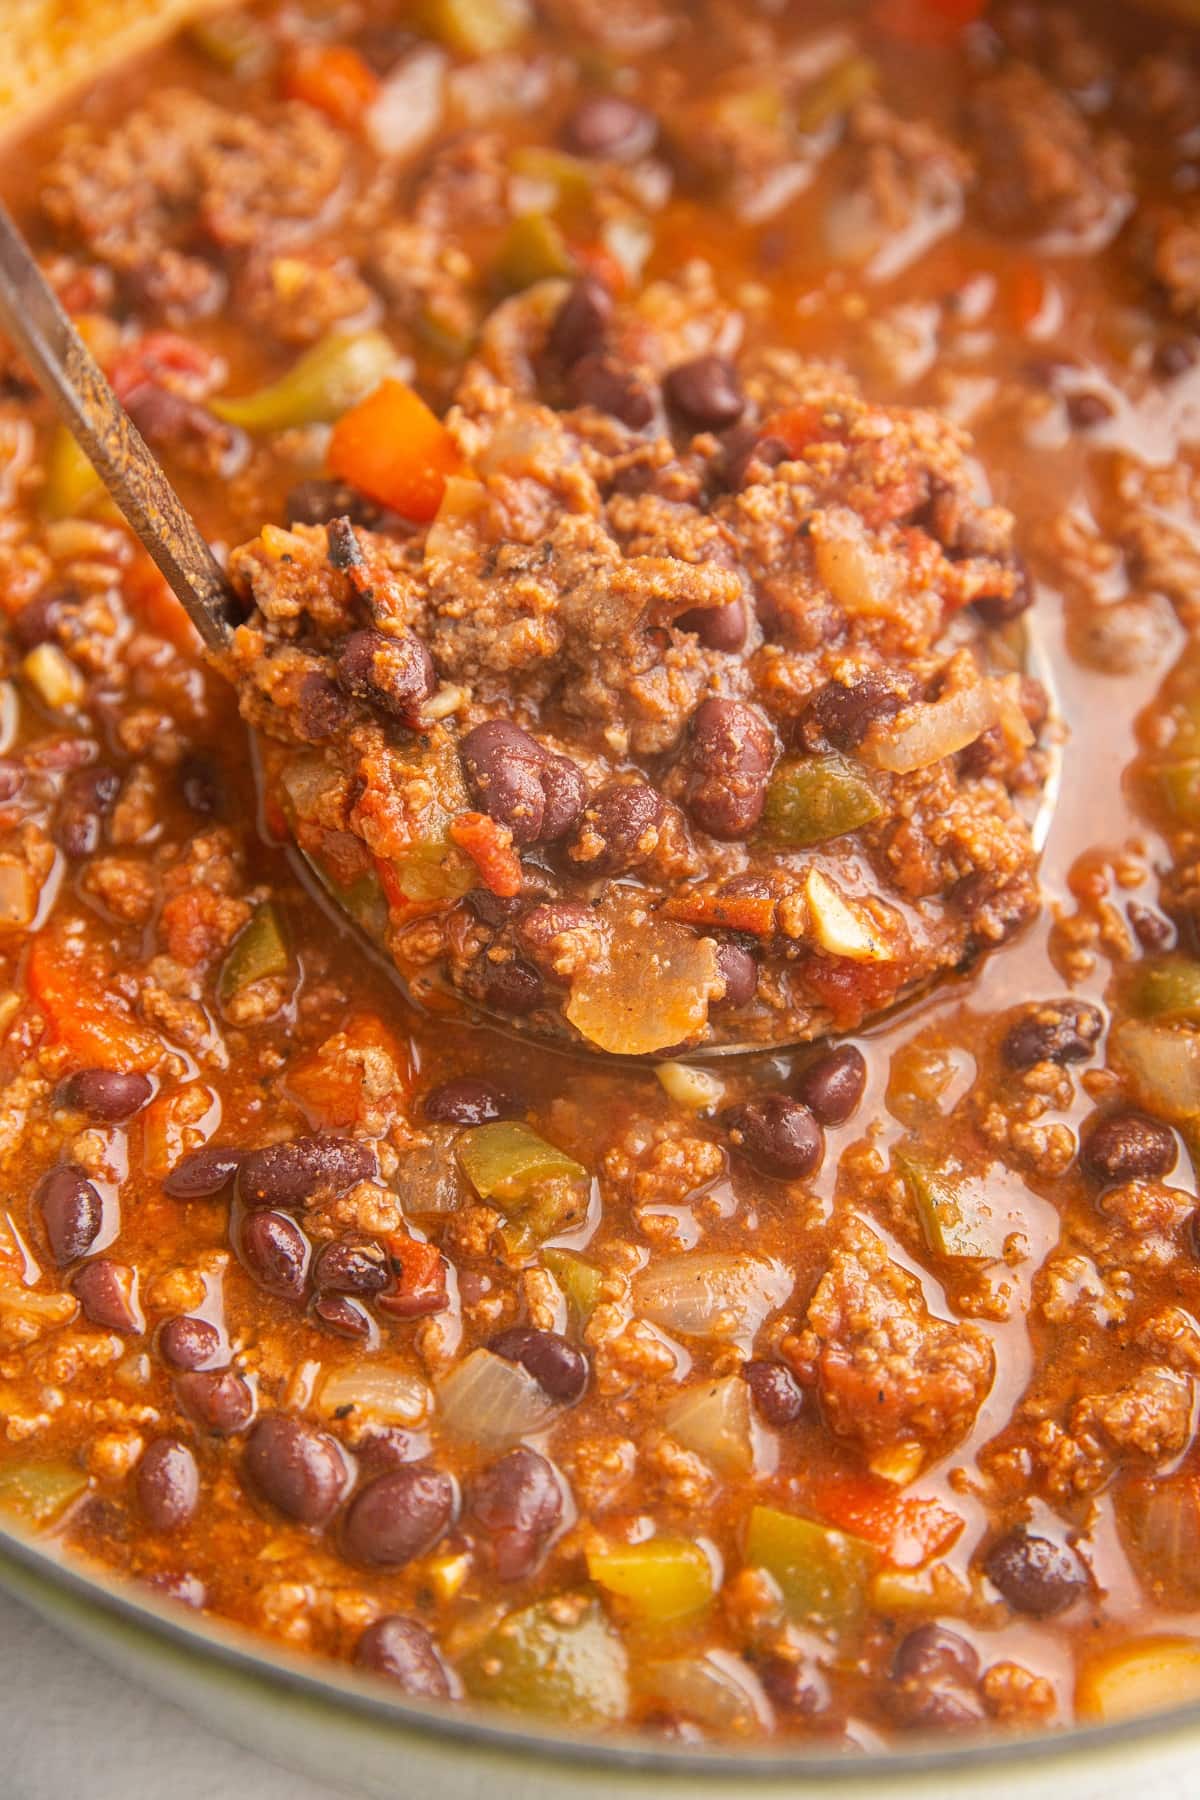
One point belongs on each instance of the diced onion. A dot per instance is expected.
(934, 730)
(18, 894)
(428, 1180)
(1145, 1676)
(648, 991)
(711, 1294)
(492, 1401)
(1160, 1521)
(841, 927)
(1163, 1066)
(409, 104)
(716, 1690)
(377, 1390)
(715, 1420)
(696, 1090)
(860, 578)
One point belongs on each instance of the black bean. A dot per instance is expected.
(1127, 1146)
(566, 794)
(467, 1101)
(717, 627)
(36, 622)
(705, 393)
(188, 1343)
(610, 126)
(1152, 930)
(794, 1684)
(519, 1503)
(349, 1267)
(403, 1650)
(503, 766)
(543, 927)
(202, 1173)
(777, 1135)
(739, 970)
(555, 1364)
(391, 672)
(494, 909)
(107, 1292)
(400, 1515)
(844, 713)
(221, 1402)
(832, 1086)
(104, 1094)
(276, 1252)
(1087, 410)
(299, 1469)
(1174, 356)
(728, 754)
(291, 1174)
(72, 1212)
(777, 1394)
(316, 502)
(999, 609)
(88, 796)
(201, 787)
(322, 709)
(512, 986)
(343, 1316)
(168, 1484)
(580, 323)
(1035, 1575)
(604, 382)
(619, 830)
(749, 455)
(934, 1653)
(1059, 1031)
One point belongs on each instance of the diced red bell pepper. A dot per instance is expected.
(490, 848)
(908, 1528)
(66, 981)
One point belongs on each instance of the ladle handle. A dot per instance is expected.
(70, 376)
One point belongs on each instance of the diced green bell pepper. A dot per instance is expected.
(660, 1581)
(579, 1280)
(811, 799)
(540, 1190)
(821, 1573)
(259, 950)
(1179, 785)
(322, 385)
(946, 1219)
(38, 1494)
(1165, 988)
(558, 1659)
(534, 249)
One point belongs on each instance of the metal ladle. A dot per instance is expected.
(68, 373)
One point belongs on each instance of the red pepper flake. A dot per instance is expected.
(420, 1279)
(489, 847)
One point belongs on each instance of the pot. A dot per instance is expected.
(356, 1732)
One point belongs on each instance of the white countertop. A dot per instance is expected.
(70, 1726)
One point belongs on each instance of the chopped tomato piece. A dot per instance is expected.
(754, 913)
(162, 359)
(490, 848)
(925, 24)
(851, 990)
(797, 427)
(908, 1528)
(597, 260)
(364, 1067)
(420, 1279)
(395, 450)
(333, 78)
(66, 980)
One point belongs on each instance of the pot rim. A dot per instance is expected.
(339, 1688)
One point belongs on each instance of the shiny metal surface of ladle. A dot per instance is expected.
(69, 374)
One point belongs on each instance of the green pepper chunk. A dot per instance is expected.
(811, 799)
(258, 951)
(38, 1494)
(71, 481)
(541, 1191)
(473, 27)
(946, 1220)
(1165, 988)
(821, 1573)
(322, 385)
(579, 1280)
(1179, 785)
(534, 249)
(660, 1581)
(559, 1659)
